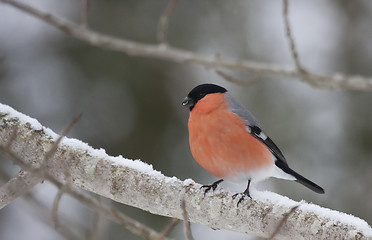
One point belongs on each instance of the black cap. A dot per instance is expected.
(199, 92)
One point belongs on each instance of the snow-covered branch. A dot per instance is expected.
(135, 183)
(165, 52)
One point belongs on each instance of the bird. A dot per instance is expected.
(229, 142)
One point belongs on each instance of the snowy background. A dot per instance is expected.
(132, 106)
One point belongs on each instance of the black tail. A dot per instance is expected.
(300, 179)
(307, 183)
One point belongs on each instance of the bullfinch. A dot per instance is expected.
(228, 141)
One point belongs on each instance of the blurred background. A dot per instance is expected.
(132, 105)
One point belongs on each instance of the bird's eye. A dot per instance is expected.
(201, 95)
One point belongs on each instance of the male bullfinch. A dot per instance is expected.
(228, 141)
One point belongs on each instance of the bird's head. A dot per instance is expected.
(199, 92)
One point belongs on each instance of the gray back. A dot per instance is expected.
(241, 111)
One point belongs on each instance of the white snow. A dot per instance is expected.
(334, 216)
(170, 180)
(50, 133)
(188, 181)
(264, 196)
(22, 117)
(81, 146)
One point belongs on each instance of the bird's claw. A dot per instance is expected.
(244, 195)
(212, 186)
(209, 187)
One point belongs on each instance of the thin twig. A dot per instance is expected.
(41, 170)
(186, 221)
(16, 187)
(164, 20)
(281, 223)
(42, 211)
(169, 228)
(238, 81)
(56, 202)
(319, 80)
(95, 232)
(54, 147)
(290, 38)
(132, 225)
(84, 13)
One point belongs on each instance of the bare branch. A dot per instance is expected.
(186, 222)
(41, 212)
(132, 225)
(281, 223)
(17, 186)
(169, 228)
(163, 22)
(56, 202)
(238, 81)
(319, 80)
(290, 38)
(54, 147)
(97, 230)
(84, 13)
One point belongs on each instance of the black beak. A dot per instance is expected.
(188, 102)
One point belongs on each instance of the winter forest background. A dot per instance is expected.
(131, 105)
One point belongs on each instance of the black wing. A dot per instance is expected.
(262, 137)
(280, 161)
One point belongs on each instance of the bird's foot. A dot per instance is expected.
(213, 186)
(243, 196)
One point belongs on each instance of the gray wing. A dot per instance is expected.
(254, 127)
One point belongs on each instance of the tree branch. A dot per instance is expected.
(163, 22)
(41, 212)
(186, 223)
(160, 51)
(136, 184)
(167, 230)
(41, 171)
(229, 78)
(84, 13)
(280, 225)
(17, 186)
(133, 226)
(290, 38)
(56, 202)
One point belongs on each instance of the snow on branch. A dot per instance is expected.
(165, 52)
(137, 184)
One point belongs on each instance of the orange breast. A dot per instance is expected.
(220, 142)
